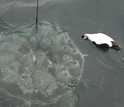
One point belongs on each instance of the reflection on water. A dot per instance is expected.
(39, 67)
(32, 3)
(5, 5)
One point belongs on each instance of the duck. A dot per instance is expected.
(102, 40)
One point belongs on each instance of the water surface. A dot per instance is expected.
(103, 74)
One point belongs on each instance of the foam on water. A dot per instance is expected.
(41, 64)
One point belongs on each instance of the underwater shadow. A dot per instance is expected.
(102, 47)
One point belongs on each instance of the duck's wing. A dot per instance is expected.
(106, 37)
(100, 38)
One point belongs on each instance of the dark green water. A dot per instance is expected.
(103, 72)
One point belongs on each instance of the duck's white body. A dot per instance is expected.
(100, 38)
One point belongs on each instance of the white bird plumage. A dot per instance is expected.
(100, 39)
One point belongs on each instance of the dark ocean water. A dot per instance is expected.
(103, 74)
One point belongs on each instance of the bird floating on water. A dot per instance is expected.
(102, 40)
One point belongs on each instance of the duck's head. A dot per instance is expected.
(84, 36)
